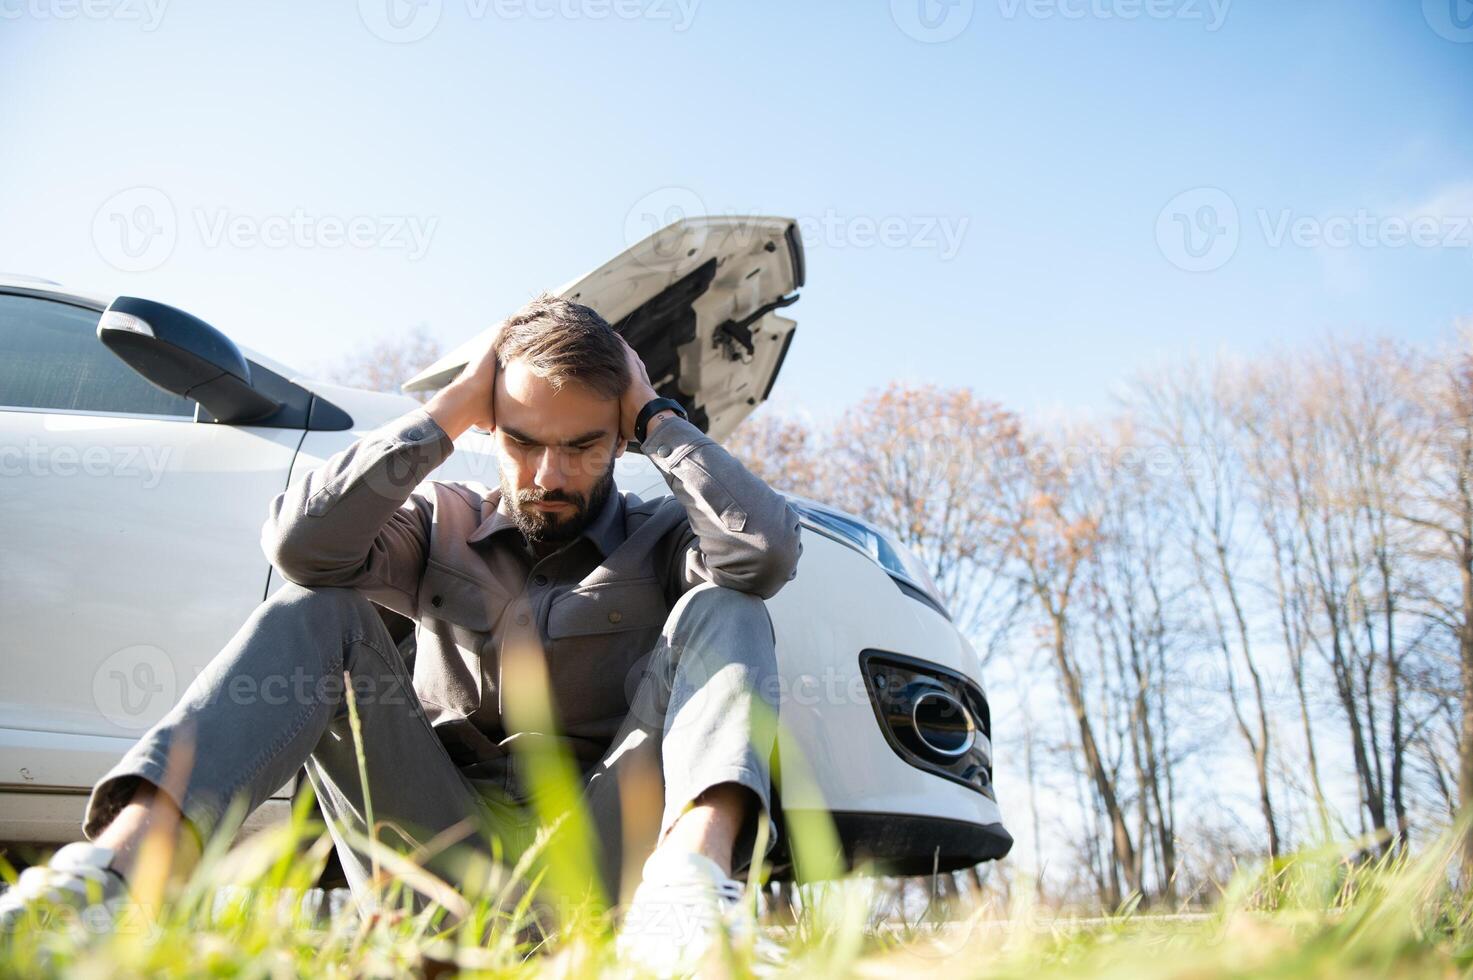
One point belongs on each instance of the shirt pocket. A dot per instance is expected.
(598, 636)
(608, 607)
(449, 596)
(454, 624)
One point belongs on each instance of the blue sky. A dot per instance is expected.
(1001, 199)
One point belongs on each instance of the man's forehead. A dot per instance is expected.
(545, 435)
(572, 414)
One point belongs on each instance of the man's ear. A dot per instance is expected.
(619, 446)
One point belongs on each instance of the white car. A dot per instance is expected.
(130, 518)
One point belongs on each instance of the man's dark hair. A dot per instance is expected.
(561, 341)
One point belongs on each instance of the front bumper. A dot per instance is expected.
(836, 753)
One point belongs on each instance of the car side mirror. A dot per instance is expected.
(184, 355)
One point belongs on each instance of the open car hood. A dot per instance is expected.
(697, 300)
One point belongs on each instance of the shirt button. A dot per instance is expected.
(436, 601)
(523, 619)
(663, 451)
(615, 616)
(540, 579)
(412, 434)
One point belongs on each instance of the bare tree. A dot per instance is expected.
(1267, 416)
(1132, 611)
(1314, 524)
(1377, 429)
(782, 451)
(1187, 411)
(1442, 508)
(1052, 525)
(387, 362)
(926, 464)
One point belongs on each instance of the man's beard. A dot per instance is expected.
(551, 527)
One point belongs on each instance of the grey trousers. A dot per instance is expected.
(702, 714)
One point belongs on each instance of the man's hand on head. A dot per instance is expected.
(467, 400)
(639, 394)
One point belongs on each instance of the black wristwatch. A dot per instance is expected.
(651, 408)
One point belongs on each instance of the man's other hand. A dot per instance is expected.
(639, 394)
(468, 400)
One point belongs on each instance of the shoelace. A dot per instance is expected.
(729, 891)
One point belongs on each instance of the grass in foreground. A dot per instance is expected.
(247, 910)
(244, 913)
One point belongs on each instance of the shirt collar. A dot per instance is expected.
(606, 531)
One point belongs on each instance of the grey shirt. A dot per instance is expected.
(445, 555)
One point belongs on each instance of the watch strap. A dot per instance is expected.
(653, 407)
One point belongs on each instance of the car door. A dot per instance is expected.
(129, 549)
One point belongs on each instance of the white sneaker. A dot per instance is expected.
(78, 880)
(683, 904)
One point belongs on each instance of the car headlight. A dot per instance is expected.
(898, 561)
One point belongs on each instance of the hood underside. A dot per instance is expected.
(697, 300)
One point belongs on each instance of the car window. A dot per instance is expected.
(50, 357)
